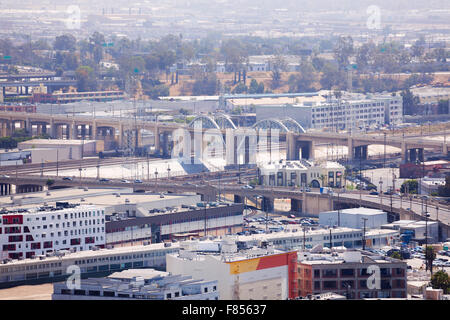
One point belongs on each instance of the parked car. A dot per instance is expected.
(103, 180)
(68, 178)
(374, 193)
(137, 181)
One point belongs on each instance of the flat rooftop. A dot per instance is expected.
(322, 231)
(88, 254)
(364, 211)
(57, 142)
(101, 197)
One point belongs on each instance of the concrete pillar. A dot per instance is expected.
(404, 152)
(157, 140)
(350, 148)
(444, 149)
(420, 154)
(290, 147)
(296, 205)
(83, 132)
(93, 130)
(73, 131)
(267, 204)
(165, 144)
(120, 138)
(238, 199)
(412, 155)
(230, 147)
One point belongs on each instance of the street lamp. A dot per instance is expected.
(168, 172)
(156, 178)
(381, 190)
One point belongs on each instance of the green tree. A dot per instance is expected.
(441, 280)
(65, 42)
(430, 255)
(410, 186)
(278, 65)
(86, 80)
(343, 50)
(444, 191)
(396, 255)
(240, 88)
(410, 102)
(49, 182)
(304, 80)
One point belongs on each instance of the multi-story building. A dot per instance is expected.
(254, 274)
(301, 173)
(352, 111)
(25, 233)
(354, 274)
(139, 284)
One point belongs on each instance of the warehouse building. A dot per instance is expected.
(138, 284)
(355, 218)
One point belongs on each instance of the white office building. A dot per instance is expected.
(25, 233)
(351, 111)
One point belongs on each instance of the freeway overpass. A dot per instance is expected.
(122, 130)
(301, 202)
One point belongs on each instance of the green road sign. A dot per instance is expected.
(7, 57)
(136, 70)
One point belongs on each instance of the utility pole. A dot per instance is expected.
(205, 217)
(331, 241)
(339, 212)
(304, 238)
(384, 159)
(364, 234)
(57, 162)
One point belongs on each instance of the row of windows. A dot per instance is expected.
(74, 215)
(128, 257)
(74, 224)
(344, 236)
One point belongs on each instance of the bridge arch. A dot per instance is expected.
(293, 125)
(207, 122)
(224, 121)
(271, 124)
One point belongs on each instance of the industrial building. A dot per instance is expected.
(301, 238)
(355, 218)
(176, 222)
(138, 284)
(26, 233)
(415, 230)
(98, 262)
(348, 274)
(301, 173)
(259, 273)
(68, 149)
